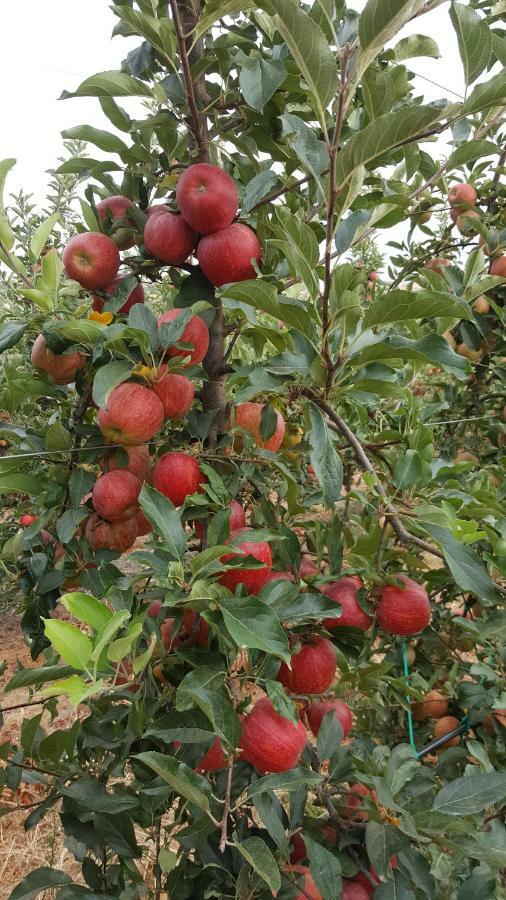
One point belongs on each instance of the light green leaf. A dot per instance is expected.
(297, 241)
(323, 455)
(20, 484)
(216, 9)
(263, 296)
(477, 288)
(158, 32)
(114, 624)
(121, 647)
(259, 79)
(107, 378)
(252, 623)
(75, 687)
(380, 21)
(408, 470)
(69, 641)
(79, 331)
(87, 608)
(474, 39)
(39, 675)
(471, 794)
(309, 48)
(401, 306)
(166, 519)
(183, 780)
(104, 140)
(261, 860)
(470, 151)
(110, 84)
(464, 564)
(40, 298)
(41, 234)
(5, 166)
(491, 93)
(285, 781)
(416, 45)
(257, 189)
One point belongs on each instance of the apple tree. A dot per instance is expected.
(260, 542)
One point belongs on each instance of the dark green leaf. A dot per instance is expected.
(11, 334)
(260, 858)
(164, 516)
(474, 38)
(285, 781)
(32, 677)
(471, 794)
(37, 881)
(204, 688)
(108, 377)
(183, 780)
(117, 832)
(325, 869)
(252, 623)
(408, 470)
(323, 455)
(491, 93)
(189, 727)
(110, 84)
(464, 564)
(259, 79)
(257, 189)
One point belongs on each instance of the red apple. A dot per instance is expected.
(237, 519)
(104, 535)
(156, 209)
(303, 876)
(404, 610)
(27, 520)
(136, 296)
(298, 848)
(307, 568)
(252, 579)
(498, 267)
(190, 631)
(214, 759)
(175, 391)
(461, 196)
(352, 890)
(207, 198)
(270, 742)
(248, 416)
(437, 265)
(133, 414)
(92, 259)
(353, 802)
(116, 207)
(144, 526)
(138, 461)
(345, 591)
(373, 276)
(312, 669)
(279, 576)
(227, 255)
(60, 368)
(177, 475)
(169, 238)
(317, 710)
(154, 609)
(115, 496)
(195, 333)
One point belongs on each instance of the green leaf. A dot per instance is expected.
(39, 880)
(117, 832)
(5, 166)
(183, 780)
(41, 234)
(216, 9)
(116, 115)
(11, 334)
(204, 688)
(382, 842)
(464, 564)
(416, 45)
(263, 296)
(189, 727)
(104, 140)
(257, 189)
(398, 889)
(261, 860)
(114, 624)
(20, 484)
(110, 84)
(380, 21)
(408, 470)
(474, 39)
(397, 350)
(382, 135)
(350, 228)
(165, 517)
(323, 455)
(309, 48)
(41, 675)
(325, 869)
(107, 378)
(252, 623)
(311, 152)
(470, 151)
(297, 241)
(86, 608)
(472, 794)
(69, 641)
(259, 78)
(158, 32)
(76, 688)
(79, 331)
(491, 93)
(305, 608)
(401, 306)
(57, 437)
(285, 781)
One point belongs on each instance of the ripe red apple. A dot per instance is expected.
(279, 576)
(345, 591)
(306, 881)
(248, 416)
(214, 759)
(144, 526)
(169, 238)
(352, 890)
(317, 710)
(104, 535)
(156, 209)
(270, 742)
(190, 631)
(133, 414)
(207, 198)
(227, 255)
(154, 609)
(60, 368)
(136, 296)
(92, 259)
(373, 276)
(27, 520)
(361, 879)
(138, 461)
(237, 519)
(498, 267)
(117, 207)
(252, 579)
(461, 196)
(404, 610)
(353, 800)
(437, 265)
(175, 391)
(307, 568)
(115, 496)
(298, 848)
(195, 333)
(313, 668)
(177, 475)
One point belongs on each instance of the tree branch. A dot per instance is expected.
(226, 810)
(405, 536)
(197, 126)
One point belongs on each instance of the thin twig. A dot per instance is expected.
(282, 190)
(226, 810)
(196, 125)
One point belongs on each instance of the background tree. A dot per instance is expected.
(297, 687)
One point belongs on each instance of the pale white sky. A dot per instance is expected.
(51, 46)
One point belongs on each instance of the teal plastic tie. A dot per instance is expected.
(408, 698)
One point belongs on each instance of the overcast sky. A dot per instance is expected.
(51, 46)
